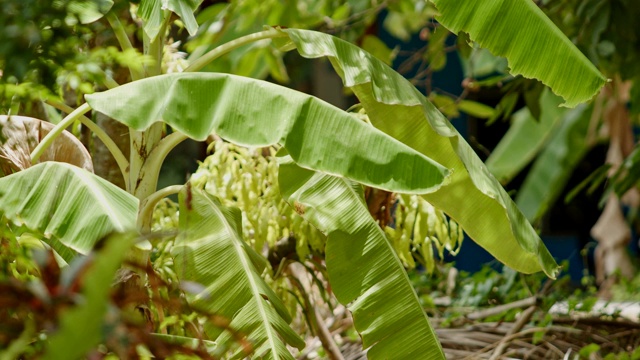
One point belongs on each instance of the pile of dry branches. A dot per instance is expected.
(563, 339)
(566, 336)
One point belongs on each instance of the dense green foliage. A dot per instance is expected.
(207, 277)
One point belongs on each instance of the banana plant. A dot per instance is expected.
(327, 155)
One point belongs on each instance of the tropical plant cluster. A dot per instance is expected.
(118, 270)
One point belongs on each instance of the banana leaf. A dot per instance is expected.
(150, 11)
(555, 164)
(627, 175)
(185, 9)
(525, 138)
(364, 270)
(210, 251)
(257, 113)
(71, 207)
(473, 197)
(535, 48)
(153, 14)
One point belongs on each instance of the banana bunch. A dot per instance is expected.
(419, 229)
(165, 216)
(248, 179)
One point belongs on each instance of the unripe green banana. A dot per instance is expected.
(248, 180)
(419, 228)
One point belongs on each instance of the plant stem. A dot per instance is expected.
(57, 130)
(143, 142)
(123, 40)
(121, 160)
(205, 59)
(155, 47)
(145, 215)
(109, 82)
(153, 163)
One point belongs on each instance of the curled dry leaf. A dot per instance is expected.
(19, 135)
(613, 235)
(611, 230)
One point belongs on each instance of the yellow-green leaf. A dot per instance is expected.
(473, 198)
(533, 45)
(257, 113)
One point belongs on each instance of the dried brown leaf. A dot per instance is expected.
(19, 135)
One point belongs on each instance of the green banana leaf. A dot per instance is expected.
(81, 326)
(554, 166)
(535, 48)
(71, 207)
(153, 14)
(525, 138)
(473, 197)
(364, 270)
(150, 11)
(211, 252)
(185, 9)
(627, 175)
(257, 113)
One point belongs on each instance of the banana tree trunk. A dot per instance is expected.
(104, 164)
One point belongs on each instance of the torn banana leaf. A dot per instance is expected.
(253, 112)
(535, 48)
(473, 197)
(364, 270)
